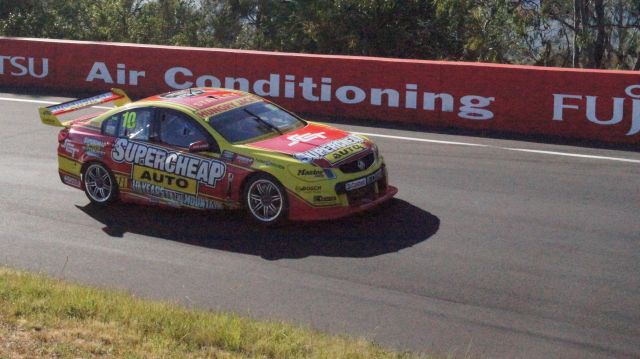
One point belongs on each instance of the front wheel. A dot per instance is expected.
(99, 184)
(266, 200)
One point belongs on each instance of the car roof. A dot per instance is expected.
(205, 101)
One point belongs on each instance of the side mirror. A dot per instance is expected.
(199, 146)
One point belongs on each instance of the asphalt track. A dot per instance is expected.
(489, 249)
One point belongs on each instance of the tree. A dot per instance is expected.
(578, 33)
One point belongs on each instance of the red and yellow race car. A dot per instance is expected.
(211, 148)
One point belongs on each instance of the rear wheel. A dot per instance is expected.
(266, 200)
(99, 184)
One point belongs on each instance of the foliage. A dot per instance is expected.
(42, 317)
(570, 33)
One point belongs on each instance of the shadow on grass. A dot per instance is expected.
(396, 226)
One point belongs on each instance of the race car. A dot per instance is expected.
(210, 148)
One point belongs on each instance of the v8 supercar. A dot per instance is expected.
(213, 148)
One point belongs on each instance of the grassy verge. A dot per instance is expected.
(44, 317)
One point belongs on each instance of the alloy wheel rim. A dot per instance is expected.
(265, 200)
(98, 183)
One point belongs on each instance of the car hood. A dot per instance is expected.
(316, 143)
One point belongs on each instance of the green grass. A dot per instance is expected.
(44, 317)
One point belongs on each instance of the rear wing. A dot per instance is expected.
(49, 115)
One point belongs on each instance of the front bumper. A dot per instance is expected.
(300, 210)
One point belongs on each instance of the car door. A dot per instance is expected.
(127, 131)
(193, 174)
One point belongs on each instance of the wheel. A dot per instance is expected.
(266, 200)
(99, 184)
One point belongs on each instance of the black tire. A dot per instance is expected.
(99, 184)
(266, 200)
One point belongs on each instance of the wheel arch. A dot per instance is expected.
(91, 161)
(115, 187)
(264, 174)
(247, 179)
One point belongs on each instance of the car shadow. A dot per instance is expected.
(393, 227)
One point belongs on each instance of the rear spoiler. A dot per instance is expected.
(49, 115)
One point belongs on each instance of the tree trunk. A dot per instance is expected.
(585, 35)
(599, 46)
(577, 7)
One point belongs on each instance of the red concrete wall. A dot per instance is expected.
(594, 105)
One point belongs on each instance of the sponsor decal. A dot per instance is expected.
(324, 199)
(69, 147)
(100, 71)
(329, 173)
(270, 164)
(295, 139)
(22, 66)
(359, 183)
(71, 181)
(308, 188)
(227, 105)
(228, 155)
(166, 180)
(182, 93)
(74, 105)
(243, 160)
(344, 153)
(364, 181)
(204, 170)
(174, 197)
(122, 181)
(310, 173)
(209, 100)
(200, 146)
(574, 102)
(328, 149)
(93, 147)
(411, 96)
(239, 159)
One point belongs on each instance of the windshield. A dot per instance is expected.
(253, 121)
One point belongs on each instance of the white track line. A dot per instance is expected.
(29, 101)
(619, 159)
(43, 102)
(415, 139)
(564, 154)
(423, 140)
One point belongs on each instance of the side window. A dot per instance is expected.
(177, 129)
(110, 126)
(136, 124)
